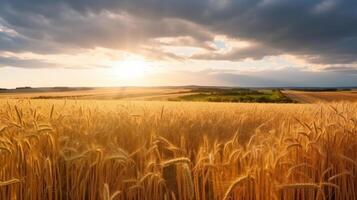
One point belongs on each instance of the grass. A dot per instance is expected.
(236, 95)
(79, 149)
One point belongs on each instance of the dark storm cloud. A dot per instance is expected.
(44, 26)
(321, 31)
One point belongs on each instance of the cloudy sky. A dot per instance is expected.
(178, 42)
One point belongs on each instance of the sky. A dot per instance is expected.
(246, 43)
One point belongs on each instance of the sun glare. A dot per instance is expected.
(131, 68)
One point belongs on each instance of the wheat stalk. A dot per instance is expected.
(234, 184)
(9, 182)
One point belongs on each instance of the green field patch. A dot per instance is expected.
(235, 95)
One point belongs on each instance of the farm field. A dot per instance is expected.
(123, 93)
(314, 97)
(201, 94)
(90, 149)
(178, 100)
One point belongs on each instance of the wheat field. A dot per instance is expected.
(316, 97)
(88, 149)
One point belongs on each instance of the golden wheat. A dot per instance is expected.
(117, 150)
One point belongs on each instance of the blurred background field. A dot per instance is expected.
(187, 93)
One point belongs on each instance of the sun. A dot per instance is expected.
(131, 68)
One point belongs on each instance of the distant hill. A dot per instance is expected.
(43, 89)
(23, 88)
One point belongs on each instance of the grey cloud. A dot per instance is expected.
(25, 63)
(186, 41)
(39, 63)
(322, 31)
(256, 52)
(288, 77)
(285, 77)
(342, 69)
(64, 29)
